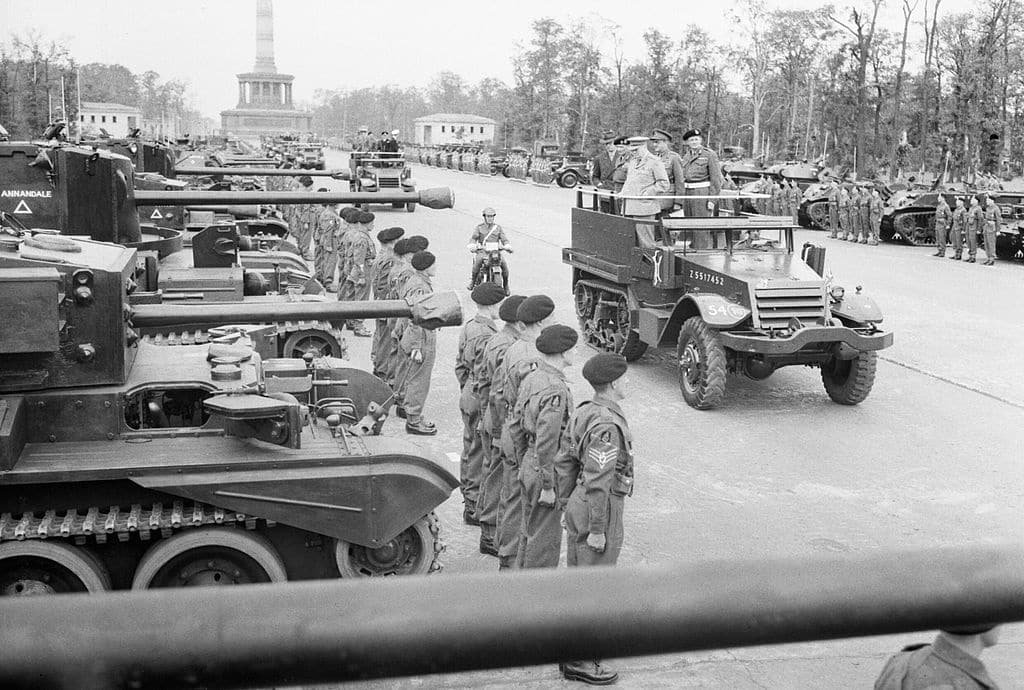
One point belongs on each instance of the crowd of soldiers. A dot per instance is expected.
(385, 143)
(783, 197)
(854, 213)
(532, 461)
(962, 225)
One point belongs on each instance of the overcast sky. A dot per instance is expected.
(344, 44)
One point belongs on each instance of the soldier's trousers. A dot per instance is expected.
(865, 226)
(833, 220)
(490, 488)
(379, 346)
(972, 240)
(417, 378)
(874, 228)
(472, 459)
(940, 238)
(540, 539)
(698, 208)
(510, 506)
(844, 225)
(990, 240)
(956, 240)
(577, 529)
(303, 235)
(350, 292)
(325, 260)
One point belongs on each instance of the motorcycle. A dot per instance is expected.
(490, 267)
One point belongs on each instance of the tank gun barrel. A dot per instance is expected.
(437, 198)
(262, 172)
(431, 311)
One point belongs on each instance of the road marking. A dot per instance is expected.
(950, 381)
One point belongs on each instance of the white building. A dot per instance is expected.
(117, 119)
(452, 128)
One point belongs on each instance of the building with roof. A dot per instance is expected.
(264, 94)
(453, 128)
(117, 119)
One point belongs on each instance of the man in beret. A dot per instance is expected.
(598, 471)
(661, 146)
(541, 414)
(405, 249)
(419, 347)
(702, 177)
(953, 660)
(360, 253)
(533, 315)
(492, 418)
(473, 337)
(325, 250)
(621, 161)
(381, 272)
(302, 220)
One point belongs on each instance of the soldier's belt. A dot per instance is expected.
(697, 185)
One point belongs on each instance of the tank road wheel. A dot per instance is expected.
(817, 211)
(627, 341)
(701, 364)
(413, 552)
(320, 343)
(906, 226)
(849, 381)
(203, 557)
(410, 207)
(33, 567)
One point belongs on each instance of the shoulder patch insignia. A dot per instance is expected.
(603, 454)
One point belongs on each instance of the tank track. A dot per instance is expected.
(113, 523)
(906, 227)
(284, 328)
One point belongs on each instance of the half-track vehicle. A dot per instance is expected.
(124, 465)
(728, 293)
(310, 157)
(382, 173)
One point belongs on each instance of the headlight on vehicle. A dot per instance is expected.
(408, 182)
(837, 293)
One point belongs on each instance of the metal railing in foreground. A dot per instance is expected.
(328, 631)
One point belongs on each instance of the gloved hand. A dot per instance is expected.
(416, 355)
(596, 542)
(547, 498)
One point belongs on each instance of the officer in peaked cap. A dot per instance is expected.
(661, 146)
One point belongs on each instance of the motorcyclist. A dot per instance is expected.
(485, 232)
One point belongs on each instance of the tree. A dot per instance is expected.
(861, 27)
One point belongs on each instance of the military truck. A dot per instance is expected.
(729, 293)
(381, 172)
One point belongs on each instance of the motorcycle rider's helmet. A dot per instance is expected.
(489, 211)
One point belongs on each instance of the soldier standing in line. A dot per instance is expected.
(382, 266)
(776, 200)
(959, 225)
(702, 176)
(419, 347)
(943, 215)
(992, 216)
(833, 209)
(304, 221)
(875, 208)
(325, 249)
(795, 197)
(845, 227)
(473, 338)
(360, 252)
(865, 215)
(491, 421)
(661, 146)
(975, 224)
(539, 421)
(405, 249)
(598, 470)
(532, 315)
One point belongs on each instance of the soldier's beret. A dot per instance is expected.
(661, 134)
(608, 136)
(508, 309)
(692, 133)
(619, 141)
(535, 308)
(488, 293)
(390, 234)
(365, 217)
(604, 368)
(970, 629)
(306, 180)
(346, 214)
(422, 260)
(402, 247)
(419, 243)
(556, 339)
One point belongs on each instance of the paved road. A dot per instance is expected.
(931, 458)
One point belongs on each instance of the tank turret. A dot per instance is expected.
(128, 465)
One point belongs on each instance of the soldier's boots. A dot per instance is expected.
(589, 672)
(956, 257)
(989, 262)
(420, 427)
(400, 412)
(362, 331)
(506, 562)
(469, 514)
(487, 546)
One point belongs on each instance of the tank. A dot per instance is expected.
(127, 465)
(730, 294)
(909, 218)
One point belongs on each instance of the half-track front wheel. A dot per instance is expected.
(412, 552)
(320, 343)
(210, 556)
(34, 567)
(701, 364)
(848, 381)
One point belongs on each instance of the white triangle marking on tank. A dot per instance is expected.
(156, 215)
(22, 208)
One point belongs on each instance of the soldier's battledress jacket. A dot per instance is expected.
(416, 337)
(701, 165)
(602, 169)
(482, 234)
(645, 176)
(959, 219)
(938, 665)
(360, 252)
(943, 215)
(490, 364)
(381, 270)
(472, 340)
(328, 227)
(540, 419)
(600, 463)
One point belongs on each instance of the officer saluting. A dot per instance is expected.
(599, 462)
(702, 174)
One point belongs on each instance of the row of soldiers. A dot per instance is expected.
(784, 197)
(854, 213)
(963, 225)
(531, 461)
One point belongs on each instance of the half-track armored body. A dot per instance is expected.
(728, 293)
(127, 465)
